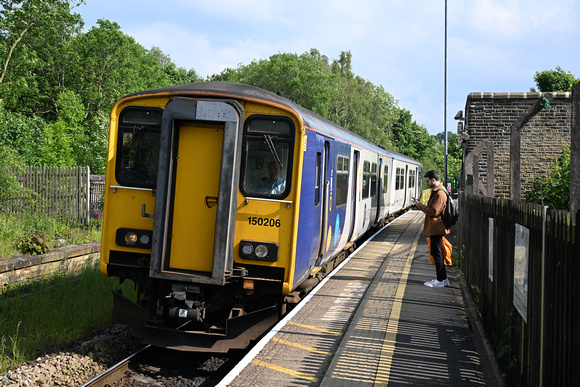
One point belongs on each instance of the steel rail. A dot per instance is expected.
(114, 373)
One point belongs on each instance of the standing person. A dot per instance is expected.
(434, 226)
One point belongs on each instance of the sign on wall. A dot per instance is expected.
(521, 254)
(490, 250)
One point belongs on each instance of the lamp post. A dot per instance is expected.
(445, 104)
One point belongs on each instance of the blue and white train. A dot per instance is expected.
(226, 203)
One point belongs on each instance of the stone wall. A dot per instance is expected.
(67, 259)
(491, 115)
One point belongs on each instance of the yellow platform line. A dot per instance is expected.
(315, 328)
(375, 258)
(388, 349)
(370, 268)
(301, 346)
(288, 371)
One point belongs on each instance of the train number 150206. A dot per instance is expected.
(268, 222)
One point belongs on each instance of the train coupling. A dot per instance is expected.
(239, 332)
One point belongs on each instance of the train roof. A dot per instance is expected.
(309, 118)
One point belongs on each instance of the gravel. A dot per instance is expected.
(84, 360)
(104, 348)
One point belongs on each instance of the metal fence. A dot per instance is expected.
(97, 195)
(63, 192)
(523, 267)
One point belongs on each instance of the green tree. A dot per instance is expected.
(21, 23)
(10, 163)
(22, 134)
(177, 75)
(110, 65)
(58, 84)
(304, 79)
(64, 137)
(554, 80)
(329, 89)
(412, 139)
(454, 155)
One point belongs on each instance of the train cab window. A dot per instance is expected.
(342, 166)
(386, 179)
(138, 146)
(366, 179)
(267, 157)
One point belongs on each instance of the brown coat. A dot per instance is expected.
(433, 211)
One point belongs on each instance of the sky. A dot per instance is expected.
(492, 45)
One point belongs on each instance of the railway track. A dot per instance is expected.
(116, 372)
(158, 366)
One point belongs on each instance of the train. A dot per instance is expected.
(225, 204)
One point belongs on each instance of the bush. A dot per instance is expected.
(10, 161)
(33, 243)
(553, 190)
(15, 230)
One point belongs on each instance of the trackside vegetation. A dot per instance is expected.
(45, 316)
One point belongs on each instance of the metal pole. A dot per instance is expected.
(445, 107)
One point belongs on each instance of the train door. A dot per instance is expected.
(419, 183)
(196, 200)
(194, 207)
(325, 198)
(407, 198)
(354, 183)
(387, 187)
(373, 192)
(379, 190)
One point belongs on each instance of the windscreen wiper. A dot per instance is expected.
(270, 143)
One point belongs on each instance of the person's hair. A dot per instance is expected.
(433, 174)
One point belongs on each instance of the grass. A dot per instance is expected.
(44, 316)
(14, 227)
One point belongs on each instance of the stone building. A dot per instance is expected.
(544, 124)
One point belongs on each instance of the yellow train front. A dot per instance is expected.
(210, 257)
(224, 203)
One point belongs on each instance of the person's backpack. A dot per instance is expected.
(450, 215)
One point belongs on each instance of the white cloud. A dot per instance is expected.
(494, 45)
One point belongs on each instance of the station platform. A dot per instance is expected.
(373, 322)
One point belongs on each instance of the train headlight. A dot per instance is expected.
(260, 251)
(130, 238)
(246, 249)
(134, 238)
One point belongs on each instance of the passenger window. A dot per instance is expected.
(366, 179)
(342, 166)
(400, 179)
(374, 179)
(386, 179)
